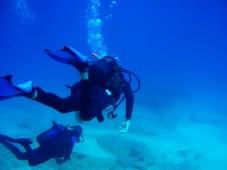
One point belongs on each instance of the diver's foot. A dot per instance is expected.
(79, 61)
(28, 88)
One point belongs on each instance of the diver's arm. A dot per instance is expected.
(129, 107)
(129, 101)
(85, 95)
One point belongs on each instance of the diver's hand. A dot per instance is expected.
(123, 128)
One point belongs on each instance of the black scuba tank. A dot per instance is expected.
(100, 71)
(50, 134)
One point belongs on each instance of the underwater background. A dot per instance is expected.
(176, 48)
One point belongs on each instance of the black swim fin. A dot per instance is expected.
(7, 90)
(60, 56)
(67, 55)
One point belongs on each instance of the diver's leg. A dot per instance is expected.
(19, 154)
(25, 142)
(85, 97)
(34, 157)
(79, 100)
(90, 100)
(63, 105)
(42, 154)
(19, 140)
(85, 100)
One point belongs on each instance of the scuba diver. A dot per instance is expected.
(101, 85)
(57, 142)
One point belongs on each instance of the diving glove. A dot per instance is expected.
(123, 128)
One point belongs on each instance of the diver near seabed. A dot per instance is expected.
(57, 142)
(101, 85)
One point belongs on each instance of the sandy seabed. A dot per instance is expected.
(154, 141)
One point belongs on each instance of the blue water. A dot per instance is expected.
(177, 48)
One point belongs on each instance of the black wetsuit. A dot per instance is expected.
(59, 147)
(89, 99)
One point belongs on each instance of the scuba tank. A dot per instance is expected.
(100, 71)
(50, 134)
